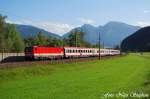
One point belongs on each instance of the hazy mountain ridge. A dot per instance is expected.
(31, 31)
(111, 33)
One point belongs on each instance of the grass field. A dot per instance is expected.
(82, 80)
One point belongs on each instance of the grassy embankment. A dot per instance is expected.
(82, 80)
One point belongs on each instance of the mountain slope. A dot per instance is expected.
(115, 32)
(31, 31)
(139, 41)
(91, 33)
(111, 34)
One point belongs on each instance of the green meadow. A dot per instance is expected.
(80, 80)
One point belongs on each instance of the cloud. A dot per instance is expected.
(59, 28)
(143, 23)
(146, 11)
(86, 21)
(54, 27)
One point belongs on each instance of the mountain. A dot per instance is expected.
(111, 33)
(139, 41)
(31, 31)
(91, 33)
(115, 32)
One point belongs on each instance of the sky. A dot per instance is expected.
(60, 16)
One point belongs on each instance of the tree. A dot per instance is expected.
(41, 39)
(117, 47)
(76, 38)
(2, 26)
(29, 41)
(97, 45)
(58, 43)
(13, 39)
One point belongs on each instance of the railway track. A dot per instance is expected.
(23, 63)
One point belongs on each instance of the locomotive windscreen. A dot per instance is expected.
(29, 49)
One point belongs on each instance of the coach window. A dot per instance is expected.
(66, 51)
(80, 51)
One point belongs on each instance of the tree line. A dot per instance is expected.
(11, 40)
(75, 39)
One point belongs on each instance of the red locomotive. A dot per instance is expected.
(39, 52)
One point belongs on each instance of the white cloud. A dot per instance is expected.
(143, 23)
(86, 21)
(58, 28)
(146, 11)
